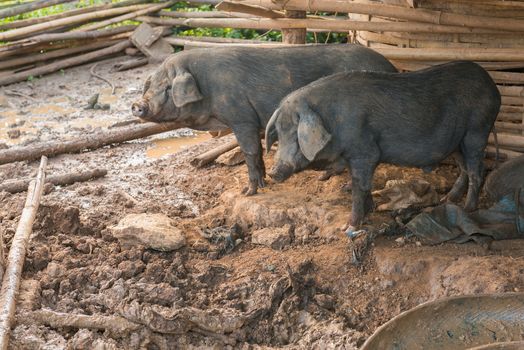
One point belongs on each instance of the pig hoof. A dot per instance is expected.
(249, 191)
(326, 175)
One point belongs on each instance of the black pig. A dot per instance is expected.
(239, 88)
(411, 119)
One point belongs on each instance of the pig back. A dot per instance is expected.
(506, 179)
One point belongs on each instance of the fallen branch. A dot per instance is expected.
(57, 180)
(92, 71)
(114, 324)
(69, 62)
(15, 260)
(93, 141)
(209, 156)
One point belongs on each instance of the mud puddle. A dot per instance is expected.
(171, 145)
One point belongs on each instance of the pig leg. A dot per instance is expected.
(249, 141)
(361, 176)
(460, 186)
(473, 151)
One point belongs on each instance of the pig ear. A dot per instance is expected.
(312, 136)
(271, 131)
(185, 89)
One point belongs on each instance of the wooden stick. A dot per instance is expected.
(13, 11)
(78, 35)
(451, 54)
(511, 90)
(15, 260)
(335, 25)
(150, 9)
(209, 156)
(69, 62)
(512, 100)
(508, 140)
(251, 10)
(114, 324)
(93, 141)
(408, 14)
(509, 153)
(507, 77)
(57, 180)
(122, 66)
(20, 32)
(509, 126)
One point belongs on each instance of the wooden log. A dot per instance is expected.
(57, 180)
(452, 54)
(297, 35)
(509, 126)
(506, 153)
(128, 16)
(510, 117)
(214, 39)
(15, 260)
(69, 62)
(508, 140)
(408, 14)
(209, 156)
(16, 10)
(251, 10)
(511, 109)
(334, 25)
(33, 29)
(189, 44)
(511, 90)
(36, 20)
(93, 141)
(512, 100)
(508, 77)
(203, 14)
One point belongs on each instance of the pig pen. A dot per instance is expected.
(271, 271)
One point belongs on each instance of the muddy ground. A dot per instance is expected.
(220, 290)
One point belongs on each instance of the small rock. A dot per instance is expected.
(83, 339)
(276, 238)
(401, 240)
(14, 134)
(231, 158)
(155, 231)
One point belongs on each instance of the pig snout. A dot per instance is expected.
(281, 172)
(140, 109)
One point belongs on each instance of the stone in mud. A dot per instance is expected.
(155, 231)
(14, 133)
(276, 238)
(231, 158)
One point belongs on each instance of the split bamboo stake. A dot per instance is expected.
(452, 54)
(335, 25)
(57, 180)
(69, 62)
(36, 5)
(20, 32)
(408, 14)
(93, 141)
(150, 9)
(15, 260)
(203, 14)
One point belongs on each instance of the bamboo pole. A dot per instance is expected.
(17, 33)
(20, 61)
(408, 14)
(128, 16)
(93, 141)
(203, 14)
(508, 77)
(512, 100)
(15, 260)
(16, 10)
(452, 54)
(79, 35)
(509, 126)
(69, 62)
(335, 25)
(511, 90)
(17, 186)
(508, 153)
(32, 21)
(508, 140)
(251, 10)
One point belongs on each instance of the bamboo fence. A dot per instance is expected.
(413, 34)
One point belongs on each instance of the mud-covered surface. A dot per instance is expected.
(309, 287)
